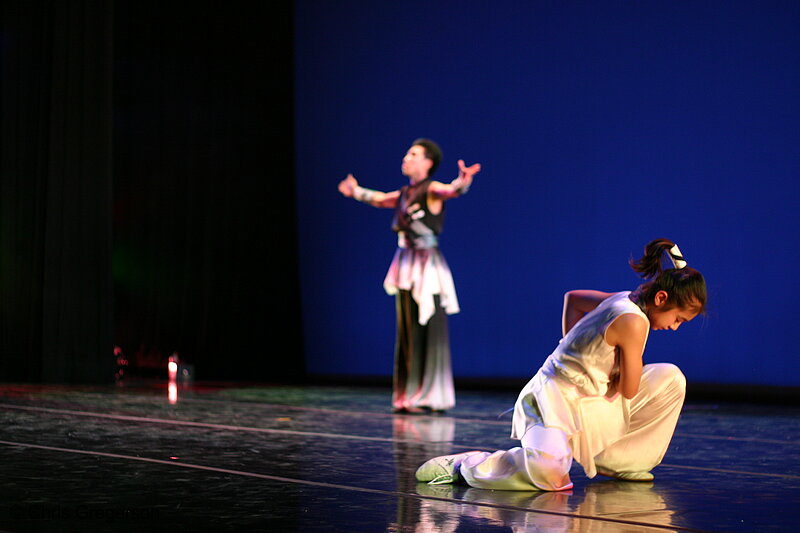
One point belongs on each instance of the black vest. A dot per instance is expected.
(413, 206)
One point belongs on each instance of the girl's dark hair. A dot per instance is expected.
(432, 152)
(685, 286)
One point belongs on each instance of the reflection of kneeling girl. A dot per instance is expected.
(593, 399)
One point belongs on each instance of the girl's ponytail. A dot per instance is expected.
(685, 286)
(651, 264)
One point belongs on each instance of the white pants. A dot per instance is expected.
(545, 457)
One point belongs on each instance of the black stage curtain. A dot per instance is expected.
(204, 216)
(203, 261)
(55, 191)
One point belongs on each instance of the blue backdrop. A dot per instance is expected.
(599, 125)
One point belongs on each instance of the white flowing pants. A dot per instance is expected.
(545, 457)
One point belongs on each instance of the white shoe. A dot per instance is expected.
(627, 476)
(442, 469)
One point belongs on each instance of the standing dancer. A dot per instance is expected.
(419, 277)
(593, 399)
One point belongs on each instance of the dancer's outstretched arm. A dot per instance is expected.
(350, 188)
(460, 185)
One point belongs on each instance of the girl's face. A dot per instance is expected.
(662, 316)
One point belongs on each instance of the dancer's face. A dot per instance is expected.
(415, 165)
(664, 316)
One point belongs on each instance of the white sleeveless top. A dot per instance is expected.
(569, 390)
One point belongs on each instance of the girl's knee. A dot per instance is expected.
(676, 376)
(669, 375)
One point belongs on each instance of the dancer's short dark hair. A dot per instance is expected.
(432, 152)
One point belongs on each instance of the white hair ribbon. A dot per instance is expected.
(676, 257)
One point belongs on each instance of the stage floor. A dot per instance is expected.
(282, 459)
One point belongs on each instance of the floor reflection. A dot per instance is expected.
(328, 459)
(627, 501)
(603, 507)
(417, 439)
(492, 508)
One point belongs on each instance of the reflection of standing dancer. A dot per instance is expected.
(414, 439)
(419, 277)
(593, 399)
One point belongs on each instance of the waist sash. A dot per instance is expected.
(419, 242)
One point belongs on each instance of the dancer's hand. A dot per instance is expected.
(347, 185)
(467, 172)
